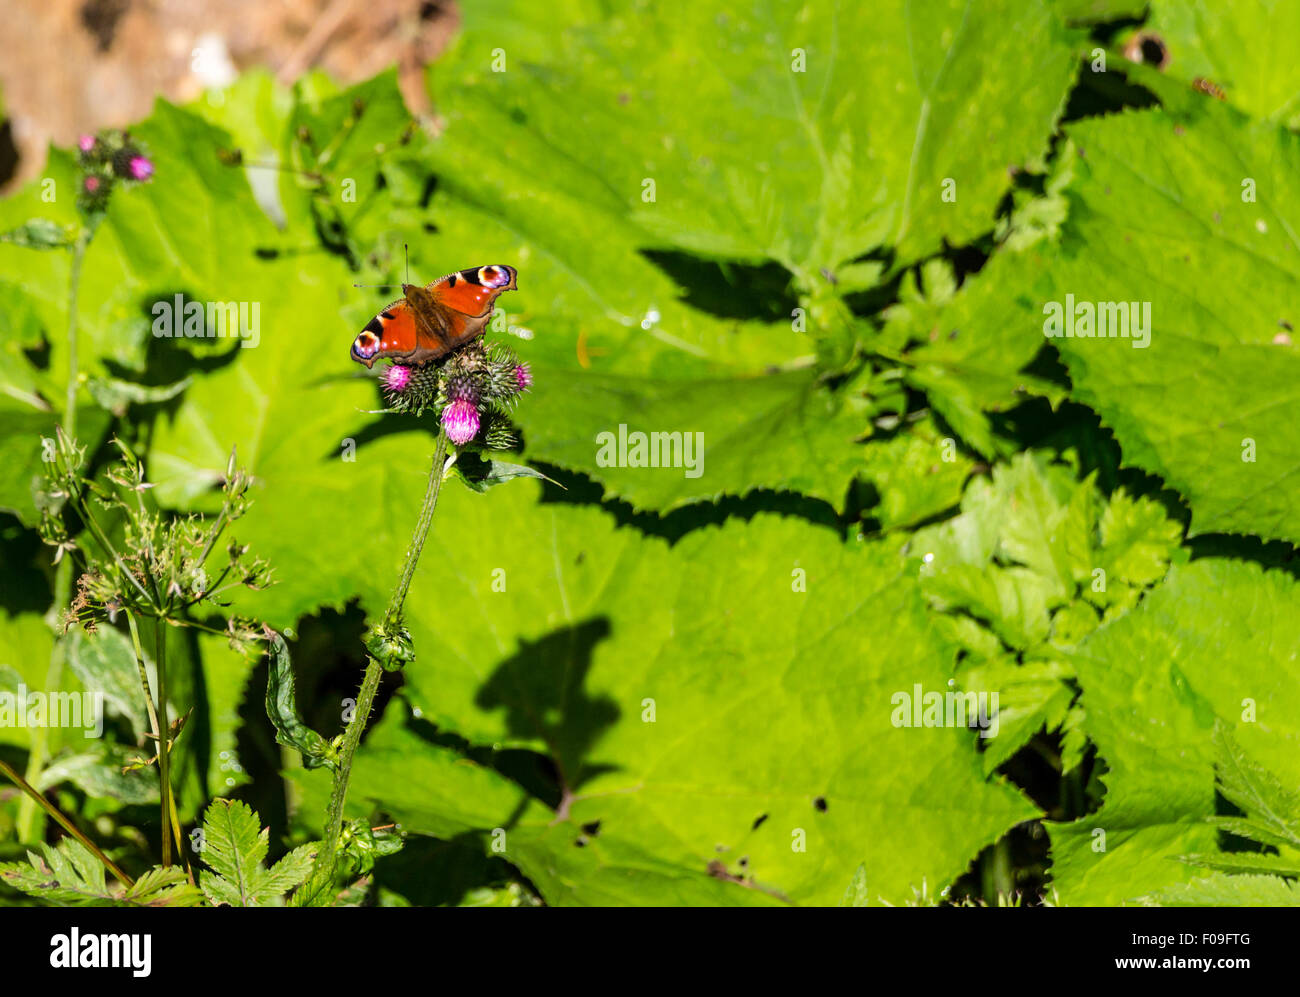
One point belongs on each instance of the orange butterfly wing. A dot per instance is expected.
(391, 333)
(455, 309)
(432, 321)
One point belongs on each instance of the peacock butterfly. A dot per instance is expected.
(431, 321)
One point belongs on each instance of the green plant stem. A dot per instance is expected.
(421, 529)
(27, 828)
(995, 873)
(38, 798)
(323, 873)
(74, 373)
(158, 719)
(164, 747)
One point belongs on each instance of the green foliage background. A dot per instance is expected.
(880, 412)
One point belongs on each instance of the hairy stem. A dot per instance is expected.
(164, 748)
(27, 825)
(413, 551)
(158, 720)
(74, 373)
(323, 873)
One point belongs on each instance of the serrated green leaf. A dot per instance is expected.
(1245, 862)
(1035, 542)
(1220, 890)
(1205, 404)
(234, 845)
(1155, 683)
(1256, 790)
(68, 875)
(603, 623)
(964, 353)
(784, 129)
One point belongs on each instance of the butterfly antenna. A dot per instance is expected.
(407, 250)
(389, 286)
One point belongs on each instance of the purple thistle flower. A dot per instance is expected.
(86, 142)
(460, 419)
(396, 378)
(140, 168)
(523, 376)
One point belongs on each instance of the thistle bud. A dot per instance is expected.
(139, 168)
(410, 387)
(462, 388)
(390, 643)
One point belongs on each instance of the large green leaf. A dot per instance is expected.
(1159, 219)
(1154, 683)
(775, 430)
(768, 654)
(803, 132)
(429, 789)
(1219, 890)
(26, 642)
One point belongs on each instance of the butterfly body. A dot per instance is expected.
(430, 321)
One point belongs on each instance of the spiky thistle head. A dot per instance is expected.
(410, 387)
(472, 390)
(106, 159)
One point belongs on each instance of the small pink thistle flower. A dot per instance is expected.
(86, 142)
(523, 376)
(92, 185)
(396, 378)
(140, 168)
(460, 419)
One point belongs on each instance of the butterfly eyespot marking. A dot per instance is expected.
(493, 276)
(366, 343)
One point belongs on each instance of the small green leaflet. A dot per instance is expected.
(234, 846)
